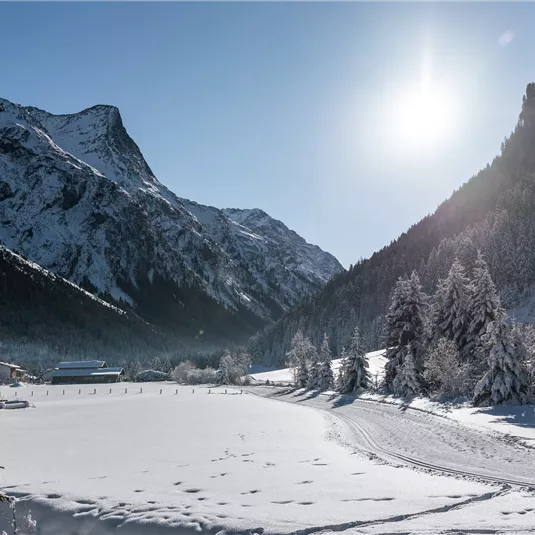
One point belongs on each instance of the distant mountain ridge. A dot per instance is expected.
(78, 198)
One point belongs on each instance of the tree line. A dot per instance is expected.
(455, 343)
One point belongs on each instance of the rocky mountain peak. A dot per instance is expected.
(78, 198)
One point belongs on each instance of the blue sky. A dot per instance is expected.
(292, 108)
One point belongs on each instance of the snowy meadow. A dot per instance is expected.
(195, 461)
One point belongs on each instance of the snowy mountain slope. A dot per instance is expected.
(78, 198)
(43, 316)
(282, 263)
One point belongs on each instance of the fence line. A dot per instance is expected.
(6, 394)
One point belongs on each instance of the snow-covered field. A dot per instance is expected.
(149, 463)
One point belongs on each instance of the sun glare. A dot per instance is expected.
(423, 114)
(424, 117)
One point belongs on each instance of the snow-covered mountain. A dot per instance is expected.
(78, 198)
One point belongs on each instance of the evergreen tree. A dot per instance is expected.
(355, 370)
(343, 373)
(408, 380)
(483, 308)
(404, 325)
(313, 362)
(40, 373)
(225, 367)
(156, 364)
(506, 381)
(297, 359)
(325, 375)
(166, 365)
(452, 307)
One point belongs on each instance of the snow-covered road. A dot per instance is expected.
(423, 440)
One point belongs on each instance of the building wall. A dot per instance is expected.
(5, 374)
(90, 379)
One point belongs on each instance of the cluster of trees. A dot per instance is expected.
(312, 365)
(459, 342)
(232, 370)
(493, 213)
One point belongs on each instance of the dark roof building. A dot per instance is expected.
(84, 372)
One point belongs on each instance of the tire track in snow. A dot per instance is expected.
(366, 442)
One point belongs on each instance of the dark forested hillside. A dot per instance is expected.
(44, 317)
(493, 212)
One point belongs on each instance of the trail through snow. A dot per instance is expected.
(423, 440)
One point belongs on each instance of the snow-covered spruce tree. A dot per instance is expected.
(343, 373)
(404, 325)
(452, 307)
(313, 366)
(409, 380)
(506, 381)
(225, 367)
(355, 370)
(483, 309)
(395, 320)
(325, 376)
(296, 359)
(156, 364)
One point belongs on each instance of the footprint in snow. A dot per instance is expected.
(192, 491)
(306, 482)
(139, 490)
(85, 502)
(307, 503)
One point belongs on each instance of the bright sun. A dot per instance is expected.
(424, 114)
(424, 118)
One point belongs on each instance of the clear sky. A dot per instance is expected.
(347, 121)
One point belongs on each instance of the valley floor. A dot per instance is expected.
(151, 463)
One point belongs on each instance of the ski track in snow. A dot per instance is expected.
(422, 440)
(191, 462)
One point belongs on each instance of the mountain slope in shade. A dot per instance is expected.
(43, 316)
(78, 198)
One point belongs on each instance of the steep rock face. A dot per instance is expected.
(78, 198)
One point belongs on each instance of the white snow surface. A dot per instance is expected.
(199, 462)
